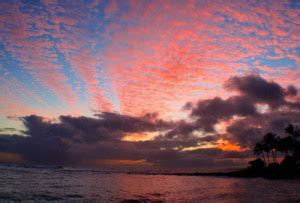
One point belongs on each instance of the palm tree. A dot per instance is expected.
(276, 145)
(270, 142)
(285, 145)
(294, 133)
(267, 150)
(259, 150)
(288, 145)
(290, 130)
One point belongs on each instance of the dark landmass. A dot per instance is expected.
(286, 170)
(243, 173)
(289, 168)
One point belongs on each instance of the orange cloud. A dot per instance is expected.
(142, 136)
(221, 144)
(225, 145)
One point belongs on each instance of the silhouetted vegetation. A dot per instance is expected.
(288, 146)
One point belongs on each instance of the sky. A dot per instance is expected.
(133, 84)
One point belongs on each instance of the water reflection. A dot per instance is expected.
(54, 184)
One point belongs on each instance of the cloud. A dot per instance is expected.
(195, 142)
(245, 123)
(195, 47)
(248, 131)
(54, 142)
(104, 56)
(211, 111)
(291, 91)
(111, 8)
(97, 141)
(65, 58)
(243, 133)
(257, 89)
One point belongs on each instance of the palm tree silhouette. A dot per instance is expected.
(285, 145)
(259, 150)
(293, 133)
(290, 129)
(270, 142)
(288, 145)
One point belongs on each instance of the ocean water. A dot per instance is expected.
(62, 185)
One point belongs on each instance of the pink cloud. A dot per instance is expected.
(175, 52)
(36, 56)
(111, 8)
(158, 54)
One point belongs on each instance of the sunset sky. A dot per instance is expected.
(187, 84)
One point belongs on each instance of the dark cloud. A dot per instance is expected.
(211, 111)
(11, 143)
(249, 130)
(74, 140)
(206, 113)
(257, 89)
(182, 130)
(105, 126)
(54, 143)
(253, 90)
(243, 133)
(293, 105)
(251, 124)
(291, 91)
(188, 106)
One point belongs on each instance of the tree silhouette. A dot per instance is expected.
(293, 133)
(290, 130)
(270, 142)
(259, 150)
(285, 145)
(288, 145)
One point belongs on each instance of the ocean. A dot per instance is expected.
(68, 185)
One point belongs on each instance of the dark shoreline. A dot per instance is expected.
(244, 173)
(273, 172)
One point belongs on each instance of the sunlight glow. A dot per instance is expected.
(140, 137)
(221, 144)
